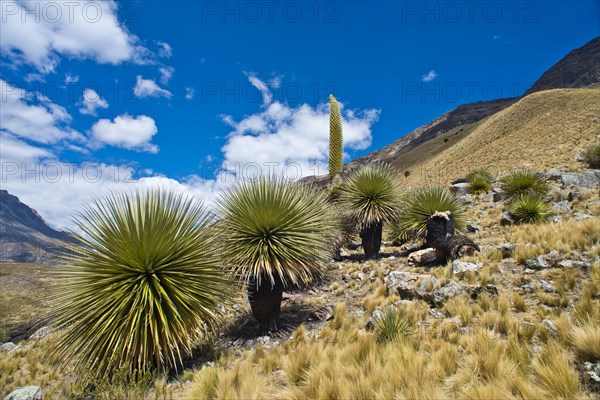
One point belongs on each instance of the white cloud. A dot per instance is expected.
(16, 151)
(91, 101)
(132, 133)
(297, 137)
(165, 50)
(60, 189)
(262, 87)
(166, 73)
(189, 93)
(149, 88)
(71, 79)
(431, 75)
(32, 116)
(38, 33)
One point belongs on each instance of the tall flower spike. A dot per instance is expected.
(336, 138)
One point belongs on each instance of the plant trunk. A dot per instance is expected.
(447, 243)
(371, 239)
(265, 301)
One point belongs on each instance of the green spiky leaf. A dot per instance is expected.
(145, 285)
(371, 195)
(278, 229)
(336, 138)
(420, 204)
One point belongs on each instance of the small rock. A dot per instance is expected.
(456, 320)
(459, 180)
(593, 370)
(498, 194)
(562, 206)
(25, 393)
(574, 195)
(372, 321)
(507, 250)
(466, 198)
(422, 257)
(528, 287)
(460, 189)
(580, 216)
(537, 263)
(435, 313)
(346, 278)
(507, 219)
(547, 286)
(448, 291)
(474, 228)
(529, 271)
(550, 325)
(555, 218)
(489, 197)
(461, 267)
(554, 174)
(323, 314)
(409, 285)
(8, 346)
(41, 333)
(361, 276)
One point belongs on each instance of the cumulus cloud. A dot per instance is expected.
(58, 190)
(17, 151)
(92, 101)
(189, 93)
(166, 73)
(32, 116)
(125, 131)
(431, 75)
(149, 88)
(298, 137)
(38, 33)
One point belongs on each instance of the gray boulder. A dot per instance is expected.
(562, 206)
(7, 347)
(554, 174)
(448, 291)
(507, 219)
(508, 249)
(586, 180)
(461, 267)
(409, 285)
(41, 333)
(372, 321)
(460, 189)
(25, 393)
(538, 262)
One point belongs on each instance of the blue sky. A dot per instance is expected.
(97, 95)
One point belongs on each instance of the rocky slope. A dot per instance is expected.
(24, 235)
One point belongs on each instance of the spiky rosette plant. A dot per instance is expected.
(336, 139)
(520, 182)
(371, 197)
(143, 287)
(530, 208)
(592, 156)
(419, 205)
(277, 235)
(480, 182)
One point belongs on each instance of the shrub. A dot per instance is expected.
(519, 182)
(390, 326)
(420, 204)
(530, 208)
(143, 288)
(277, 235)
(370, 196)
(592, 156)
(480, 182)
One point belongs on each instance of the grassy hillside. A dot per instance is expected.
(542, 130)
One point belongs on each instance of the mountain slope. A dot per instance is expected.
(542, 130)
(580, 68)
(24, 235)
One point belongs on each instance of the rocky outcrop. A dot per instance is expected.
(25, 393)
